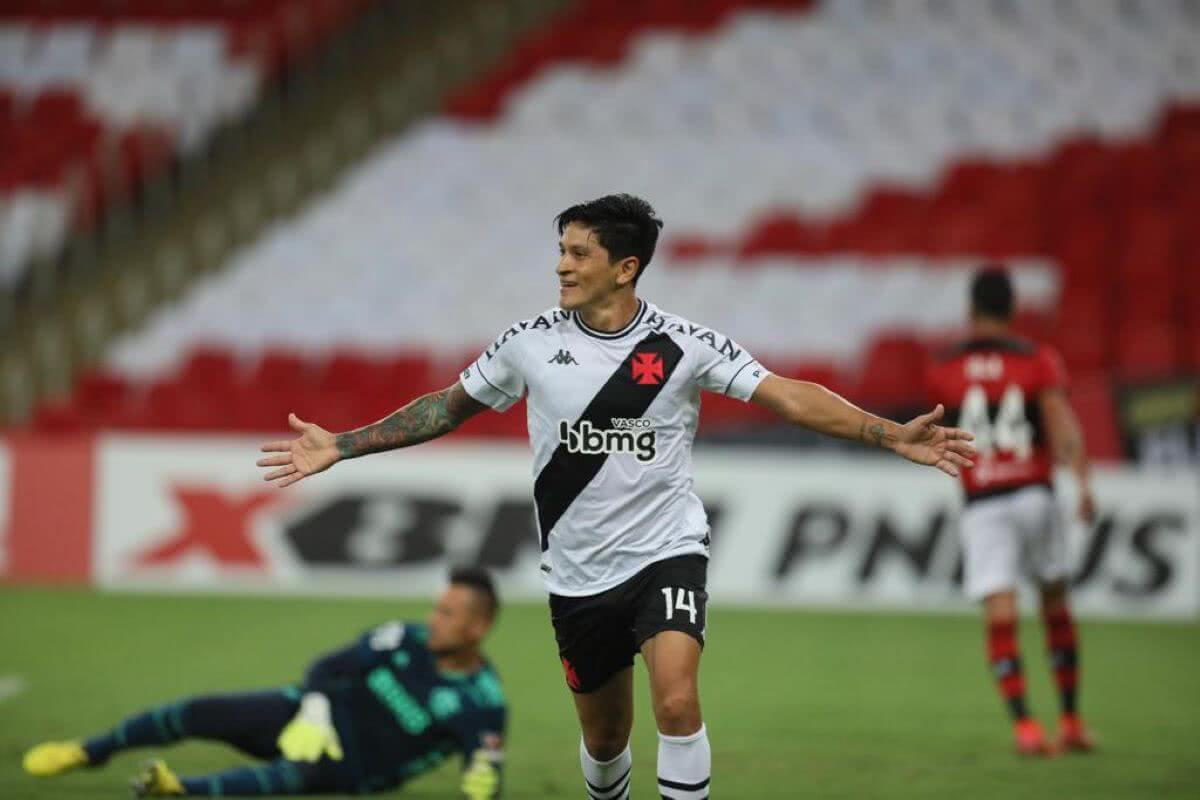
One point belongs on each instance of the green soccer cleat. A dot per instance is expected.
(156, 780)
(54, 758)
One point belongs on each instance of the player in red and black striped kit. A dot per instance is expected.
(1011, 393)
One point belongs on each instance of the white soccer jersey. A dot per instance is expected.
(612, 417)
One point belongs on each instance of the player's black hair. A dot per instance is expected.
(624, 225)
(992, 293)
(480, 580)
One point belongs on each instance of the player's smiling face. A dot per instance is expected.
(586, 275)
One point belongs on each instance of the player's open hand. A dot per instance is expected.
(311, 736)
(314, 451)
(924, 441)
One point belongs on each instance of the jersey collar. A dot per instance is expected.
(633, 323)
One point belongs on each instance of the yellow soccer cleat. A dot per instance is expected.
(54, 758)
(156, 780)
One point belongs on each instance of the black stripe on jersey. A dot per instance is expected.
(637, 318)
(567, 474)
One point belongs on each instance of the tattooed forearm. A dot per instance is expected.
(873, 432)
(425, 418)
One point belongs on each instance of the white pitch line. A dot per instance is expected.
(11, 686)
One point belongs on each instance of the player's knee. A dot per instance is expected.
(605, 745)
(678, 712)
(1000, 607)
(1054, 596)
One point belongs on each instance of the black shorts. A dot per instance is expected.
(599, 634)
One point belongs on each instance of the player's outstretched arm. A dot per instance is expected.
(813, 406)
(316, 449)
(1066, 437)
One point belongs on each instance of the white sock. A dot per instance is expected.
(606, 780)
(684, 766)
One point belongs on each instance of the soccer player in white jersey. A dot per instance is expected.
(613, 386)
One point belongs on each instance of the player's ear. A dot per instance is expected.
(627, 270)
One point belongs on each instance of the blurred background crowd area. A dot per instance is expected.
(213, 212)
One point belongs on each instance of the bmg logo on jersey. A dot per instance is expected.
(635, 436)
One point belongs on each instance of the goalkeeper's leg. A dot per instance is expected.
(280, 777)
(248, 721)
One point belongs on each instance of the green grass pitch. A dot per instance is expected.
(798, 703)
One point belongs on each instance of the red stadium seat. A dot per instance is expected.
(1092, 399)
(781, 235)
(1146, 350)
(892, 372)
(282, 369)
(99, 395)
(59, 417)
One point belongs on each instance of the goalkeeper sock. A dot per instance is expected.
(684, 766)
(1064, 658)
(158, 726)
(1005, 659)
(278, 777)
(606, 780)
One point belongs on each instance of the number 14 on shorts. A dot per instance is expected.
(683, 600)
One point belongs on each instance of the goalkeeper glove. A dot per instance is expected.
(481, 779)
(311, 735)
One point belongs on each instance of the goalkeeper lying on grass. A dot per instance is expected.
(388, 707)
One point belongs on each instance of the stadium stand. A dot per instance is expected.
(98, 97)
(828, 185)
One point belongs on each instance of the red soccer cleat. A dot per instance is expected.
(1030, 739)
(1073, 735)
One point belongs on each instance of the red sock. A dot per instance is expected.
(1005, 659)
(1064, 656)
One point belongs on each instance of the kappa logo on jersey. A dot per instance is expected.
(647, 369)
(621, 438)
(562, 357)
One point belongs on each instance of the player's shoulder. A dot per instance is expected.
(546, 322)
(397, 633)
(487, 686)
(691, 335)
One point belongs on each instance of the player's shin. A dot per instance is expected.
(1064, 656)
(1005, 660)
(606, 780)
(280, 777)
(684, 766)
(157, 726)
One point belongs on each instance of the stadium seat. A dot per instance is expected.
(829, 222)
(1147, 349)
(892, 372)
(147, 80)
